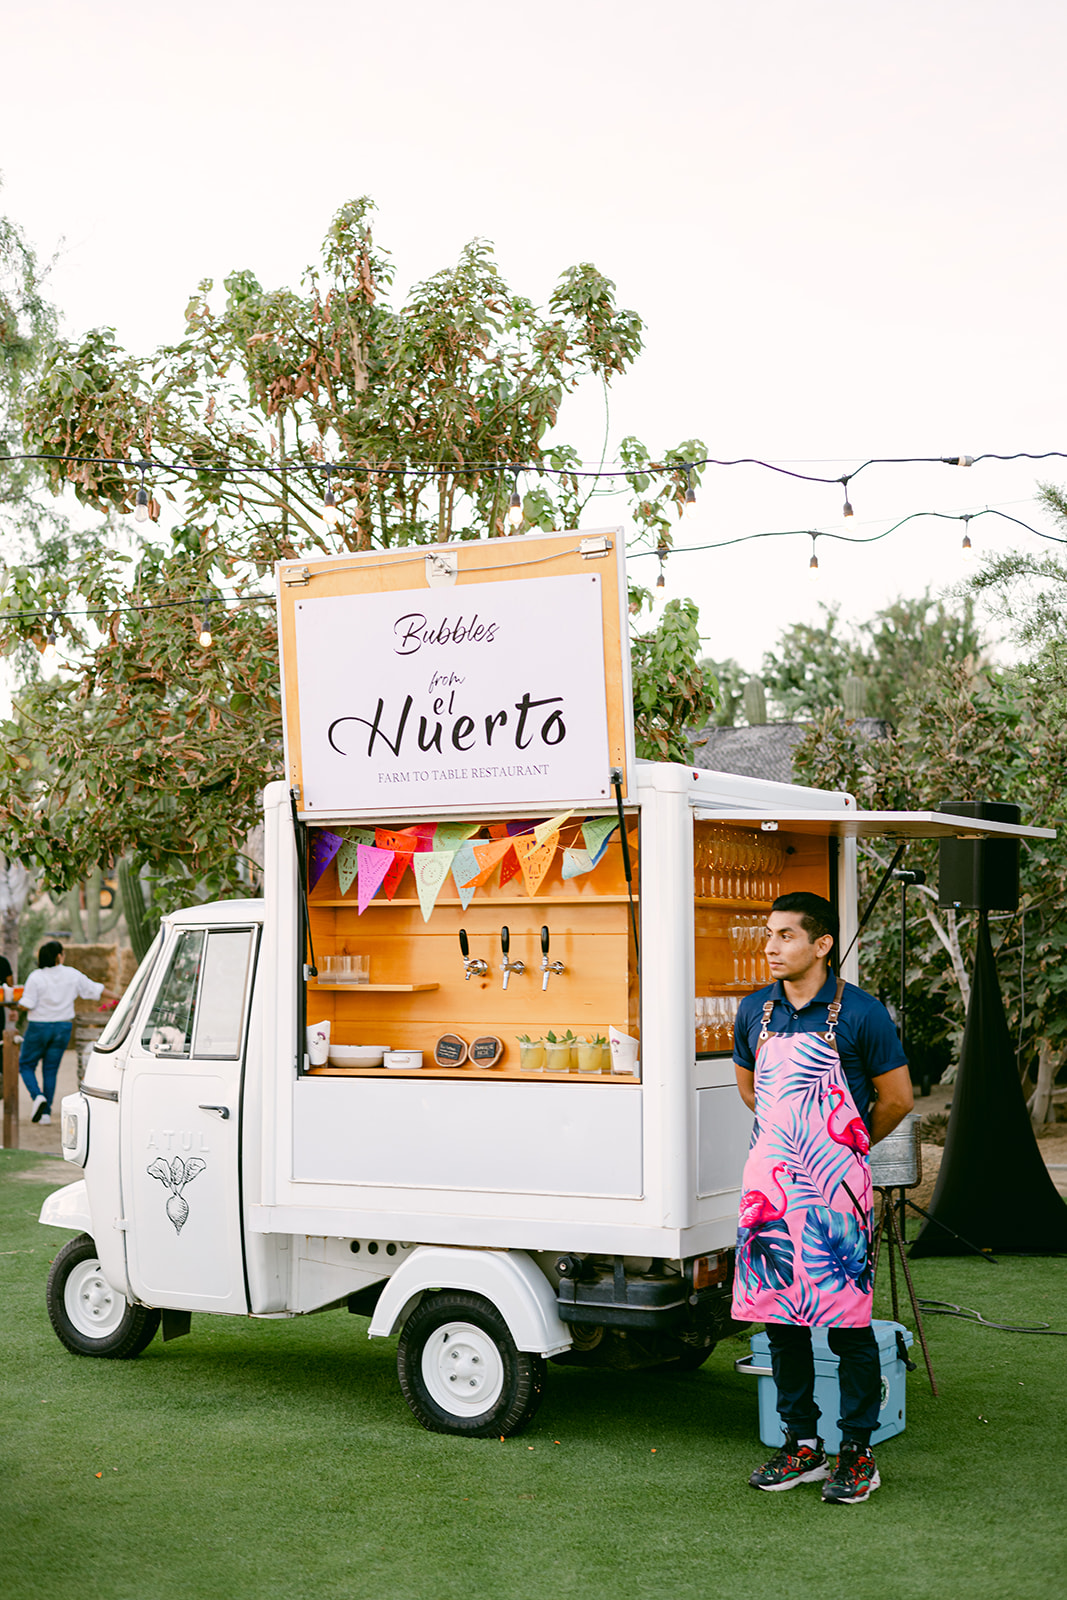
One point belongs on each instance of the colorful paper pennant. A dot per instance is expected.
(486, 857)
(347, 859)
(545, 830)
(373, 865)
(596, 833)
(465, 872)
(450, 835)
(403, 843)
(575, 862)
(324, 846)
(431, 869)
(534, 859)
(524, 827)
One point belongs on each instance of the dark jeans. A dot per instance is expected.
(859, 1373)
(44, 1042)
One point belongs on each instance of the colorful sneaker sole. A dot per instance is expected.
(815, 1475)
(863, 1492)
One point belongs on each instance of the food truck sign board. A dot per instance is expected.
(505, 685)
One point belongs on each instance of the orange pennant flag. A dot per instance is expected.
(534, 859)
(487, 855)
(404, 844)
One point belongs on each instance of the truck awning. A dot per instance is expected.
(874, 824)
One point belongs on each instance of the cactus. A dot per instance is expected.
(141, 923)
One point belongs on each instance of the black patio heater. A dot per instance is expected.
(993, 1193)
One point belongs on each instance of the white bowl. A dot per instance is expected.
(357, 1055)
(403, 1060)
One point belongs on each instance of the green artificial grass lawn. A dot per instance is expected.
(278, 1459)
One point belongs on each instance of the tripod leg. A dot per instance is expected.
(890, 1222)
(896, 1241)
(983, 1254)
(877, 1249)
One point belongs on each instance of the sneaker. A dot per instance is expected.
(794, 1463)
(45, 1117)
(856, 1477)
(40, 1108)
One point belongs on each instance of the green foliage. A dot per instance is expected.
(731, 678)
(805, 673)
(671, 690)
(159, 750)
(27, 321)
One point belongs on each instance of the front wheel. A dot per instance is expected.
(460, 1372)
(89, 1316)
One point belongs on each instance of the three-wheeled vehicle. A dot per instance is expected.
(494, 1201)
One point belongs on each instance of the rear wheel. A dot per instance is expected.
(89, 1316)
(460, 1372)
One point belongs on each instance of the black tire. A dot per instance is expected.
(453, 1326)
(688, 1357)
(80, 1300)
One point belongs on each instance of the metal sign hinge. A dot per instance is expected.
(296, 577)
(592, 549)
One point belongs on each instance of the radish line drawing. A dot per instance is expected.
(176, 1174)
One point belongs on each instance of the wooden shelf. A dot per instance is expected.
(376, 988)
(501, 1074)
(732, 905)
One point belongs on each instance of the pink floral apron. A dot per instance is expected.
(804, 1225)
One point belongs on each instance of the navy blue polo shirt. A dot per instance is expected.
(866, 1039)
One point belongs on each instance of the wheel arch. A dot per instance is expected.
(509, 1279)
(69, 1208)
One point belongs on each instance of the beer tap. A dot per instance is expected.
(508, 967)
(556, 966)
(473, 967)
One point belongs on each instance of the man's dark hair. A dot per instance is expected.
(46, 955)
(817, 916)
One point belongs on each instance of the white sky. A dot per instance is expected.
(842, 222)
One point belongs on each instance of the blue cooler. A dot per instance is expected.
(890, 1335)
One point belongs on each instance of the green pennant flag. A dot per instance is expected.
(348, 857)
(596, 833)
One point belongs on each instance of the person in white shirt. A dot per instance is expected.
(48, 997)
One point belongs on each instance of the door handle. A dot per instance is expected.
(223, 1111)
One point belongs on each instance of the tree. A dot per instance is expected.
(807, 671)
(160, 748)
(671, 691)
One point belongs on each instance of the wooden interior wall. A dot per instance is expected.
(807, 868)
(588, 922)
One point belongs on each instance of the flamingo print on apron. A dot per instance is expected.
(804, 1225)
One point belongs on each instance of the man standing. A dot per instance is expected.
(820, 1063)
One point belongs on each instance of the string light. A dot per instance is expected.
(140, 506)
(968, 461)
(966, 547)
(515, 504)
(330, 514)
(846, 510)
(204, 636)
(689, 509)
(813, 564)
(49, 652)
(662, 551)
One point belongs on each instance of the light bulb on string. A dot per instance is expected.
(203, 638)
(966, 548)
(140, 505)
(690, 506)
(846, 509)
(813, 564)
(515, 504)
(49, 652)
(330, 514)
(662, 551)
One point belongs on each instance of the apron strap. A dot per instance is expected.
(833, 1011)
(768, 1007)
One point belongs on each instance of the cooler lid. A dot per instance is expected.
(876, 824)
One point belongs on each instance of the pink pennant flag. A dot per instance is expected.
(373, 865)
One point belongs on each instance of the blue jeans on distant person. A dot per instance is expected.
(44, 1042)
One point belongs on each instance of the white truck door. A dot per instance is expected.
(180, 1113)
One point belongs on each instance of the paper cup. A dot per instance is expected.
(318, 1043)
(623, 1052)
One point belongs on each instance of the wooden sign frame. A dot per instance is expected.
(458, 567)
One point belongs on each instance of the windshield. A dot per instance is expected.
(119, 1024)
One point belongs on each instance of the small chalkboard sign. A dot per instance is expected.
(450, 1050)
(488, 1051)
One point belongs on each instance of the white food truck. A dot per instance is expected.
(471, 880)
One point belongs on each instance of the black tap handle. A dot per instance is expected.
(505, 940)
(544, 941)
(465, 948)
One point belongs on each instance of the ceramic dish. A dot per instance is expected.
(403, 1060)
(357, 1055)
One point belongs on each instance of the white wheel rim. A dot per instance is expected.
(462, 1369)
(93, 1306)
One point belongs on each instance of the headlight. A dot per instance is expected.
(69, 1135)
